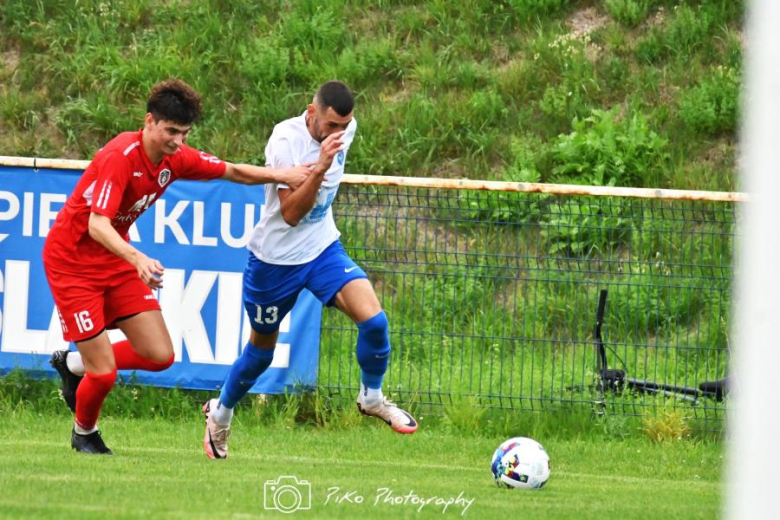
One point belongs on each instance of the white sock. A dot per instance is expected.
(222, 415)
(371, 395)
(75, 363)
(82, 431)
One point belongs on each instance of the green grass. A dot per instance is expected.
(444, 88)
(458, 415)
(159, 470)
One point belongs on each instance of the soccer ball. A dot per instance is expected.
(520, 462)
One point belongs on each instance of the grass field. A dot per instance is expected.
(160, 471)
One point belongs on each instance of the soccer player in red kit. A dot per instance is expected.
(100, 281)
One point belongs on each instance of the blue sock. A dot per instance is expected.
(373, 350)
(244, 373)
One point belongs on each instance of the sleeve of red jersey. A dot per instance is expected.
(113, 170)
(197, 165)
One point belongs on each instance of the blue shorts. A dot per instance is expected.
(270, 290)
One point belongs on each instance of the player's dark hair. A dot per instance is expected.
(336, 95)
(174, 100)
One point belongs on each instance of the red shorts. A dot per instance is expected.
(88, 305)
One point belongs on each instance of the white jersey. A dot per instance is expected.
(274, 241)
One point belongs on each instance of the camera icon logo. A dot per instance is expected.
(287, 494)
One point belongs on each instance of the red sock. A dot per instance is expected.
(91, 393)
(128, 359)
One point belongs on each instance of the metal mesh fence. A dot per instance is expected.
(493, 296)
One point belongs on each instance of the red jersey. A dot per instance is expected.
(120, 183)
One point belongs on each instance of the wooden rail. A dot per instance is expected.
(457, 184)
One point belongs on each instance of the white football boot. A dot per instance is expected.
(388, 411)
(216, 437)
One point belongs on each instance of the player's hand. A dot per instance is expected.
(295, 176)
(332, 145)
(150, 271)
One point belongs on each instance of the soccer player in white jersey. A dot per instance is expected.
(295, 246)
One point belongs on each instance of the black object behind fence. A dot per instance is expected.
(493, 296)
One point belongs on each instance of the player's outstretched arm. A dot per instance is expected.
(102, 232)
(250, 174)
(296, 204)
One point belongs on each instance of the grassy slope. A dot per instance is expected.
(160, 470)
(477, 88)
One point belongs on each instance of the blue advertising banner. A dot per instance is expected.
(198, 231)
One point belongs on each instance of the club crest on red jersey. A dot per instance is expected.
(164, 177)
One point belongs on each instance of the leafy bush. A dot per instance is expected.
(582, 228)
(711, 107)
(605, 149)
(526, 152)
(671, 426)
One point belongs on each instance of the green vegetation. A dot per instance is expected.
(636, 469)
(489, 294)
(159, 470)
(159, 453)
(21, 394)
(508, 90)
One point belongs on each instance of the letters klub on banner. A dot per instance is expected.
(198, 231)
